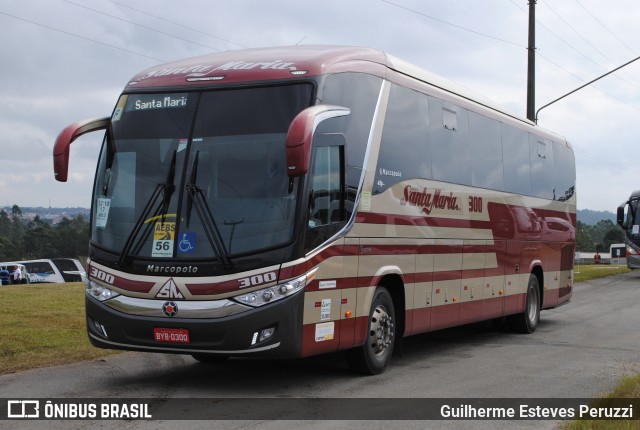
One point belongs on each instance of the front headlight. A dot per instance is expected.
(631, 251)
(269, 295)
(98, 291)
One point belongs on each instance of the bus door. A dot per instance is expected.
(330, 292)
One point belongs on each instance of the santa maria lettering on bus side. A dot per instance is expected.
(428, 200)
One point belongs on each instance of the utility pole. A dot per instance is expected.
(531, 73)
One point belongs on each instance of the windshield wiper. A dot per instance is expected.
(197, 198)
(167, 190)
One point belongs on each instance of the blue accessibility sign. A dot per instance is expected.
(187, 243)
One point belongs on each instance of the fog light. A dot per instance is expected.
(267, 333)
(100, 328)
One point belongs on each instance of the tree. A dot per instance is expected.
(584, 242)
(598, 237)
(5, 224)
(615, 235)
(40, 239)
(73, 237)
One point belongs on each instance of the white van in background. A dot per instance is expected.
(56, 270)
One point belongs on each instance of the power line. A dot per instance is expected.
(574, 49)
(177, 23)
(83, 37)
(577, 32)
(590, 44)
(606, 28)
(140, 25)
(454, 25)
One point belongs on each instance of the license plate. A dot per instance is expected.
(171, 335)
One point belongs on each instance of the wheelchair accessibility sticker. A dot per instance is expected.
(187, 243)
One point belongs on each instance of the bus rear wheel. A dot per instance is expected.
(527, 321)
(373, 357)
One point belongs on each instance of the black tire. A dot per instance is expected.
(210, 358)
(373, 357)
(527, 321)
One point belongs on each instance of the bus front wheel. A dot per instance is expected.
(374, 356)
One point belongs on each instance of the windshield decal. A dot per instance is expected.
(117, 113)
(163, 237)
(102, 211)
(187, 244)
(182, 144)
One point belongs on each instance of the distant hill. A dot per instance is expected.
(50, 215)
(591, 217)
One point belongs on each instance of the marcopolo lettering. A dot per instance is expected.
(152, 268)
(428, 200)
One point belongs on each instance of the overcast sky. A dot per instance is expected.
(63, 61)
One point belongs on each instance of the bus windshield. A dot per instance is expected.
(632, 217)
(197, 174)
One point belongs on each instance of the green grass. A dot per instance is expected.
(628, 388)
(43, 325)
(583, 273)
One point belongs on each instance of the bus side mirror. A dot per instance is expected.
(621, 218)
(300, 135)
(66, 137)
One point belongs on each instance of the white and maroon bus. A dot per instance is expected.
(293, 201)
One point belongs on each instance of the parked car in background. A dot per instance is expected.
(70, 268)
(57, 270)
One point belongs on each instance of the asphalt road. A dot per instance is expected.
(580, 350)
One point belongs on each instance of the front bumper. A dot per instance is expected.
(232, 335)
(633, 261)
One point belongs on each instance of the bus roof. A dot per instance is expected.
(287, 62)
(259, 64)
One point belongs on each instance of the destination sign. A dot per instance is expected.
(156, 101)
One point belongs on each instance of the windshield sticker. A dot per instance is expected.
(163, 237)
(102, 211)
(182, 144)
(187, 243)
(156, 101)
(635, 229)
(117, 113)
